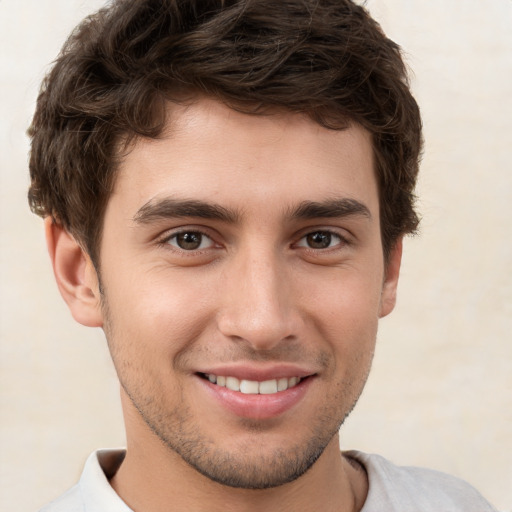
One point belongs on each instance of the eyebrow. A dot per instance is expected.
(167, 208)
(333, 208)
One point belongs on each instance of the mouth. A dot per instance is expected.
(257, 393)
(253, 387)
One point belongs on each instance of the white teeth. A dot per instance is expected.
(267, 387)
(233, 383)
(249, 387)
(253, 387)
(282, 384)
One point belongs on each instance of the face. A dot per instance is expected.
(243, 278)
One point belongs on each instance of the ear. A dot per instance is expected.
(75, 275)
(388, 296)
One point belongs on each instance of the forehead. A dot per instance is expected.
(210, 152)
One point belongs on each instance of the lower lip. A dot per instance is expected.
(258, 406)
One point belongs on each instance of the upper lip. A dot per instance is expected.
(258, 373)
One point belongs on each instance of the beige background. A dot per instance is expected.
(441, 390)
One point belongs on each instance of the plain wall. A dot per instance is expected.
(440, 394)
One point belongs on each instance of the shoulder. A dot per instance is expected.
(405, 488)
(70, 501)
(93, 491)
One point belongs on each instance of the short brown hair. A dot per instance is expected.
(325, 58)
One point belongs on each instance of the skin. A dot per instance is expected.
(271, 288)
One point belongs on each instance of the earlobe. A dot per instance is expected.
(388, 296)
(75, 275)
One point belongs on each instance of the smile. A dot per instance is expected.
(253, 387)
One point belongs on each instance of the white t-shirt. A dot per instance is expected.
(391, 488)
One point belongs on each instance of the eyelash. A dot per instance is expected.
(342, 241)
(166, 240)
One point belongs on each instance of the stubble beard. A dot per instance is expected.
(251, 465)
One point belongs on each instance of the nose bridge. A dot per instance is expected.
(259, 306)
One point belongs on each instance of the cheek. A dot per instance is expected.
(345, 315)
(346, 300)
(154, 316)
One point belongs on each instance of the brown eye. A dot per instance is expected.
(319, 240)
(190, 241)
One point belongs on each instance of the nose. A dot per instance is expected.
(259, 306)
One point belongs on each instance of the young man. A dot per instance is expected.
(225, 186)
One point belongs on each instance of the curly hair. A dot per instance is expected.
(327, 59)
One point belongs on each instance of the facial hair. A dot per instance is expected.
(251, 465)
